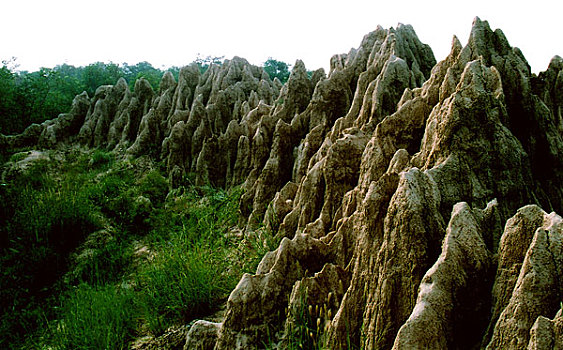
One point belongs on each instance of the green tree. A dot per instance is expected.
(99, 73)
(277, 69)
(142, 70)
(11, 109)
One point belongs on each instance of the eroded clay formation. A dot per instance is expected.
(415, 201)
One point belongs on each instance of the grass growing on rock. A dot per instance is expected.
(97, 251)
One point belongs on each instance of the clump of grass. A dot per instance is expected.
(181, 284)
(190, 272)
(307, 323)
(154, 186)
(101, 265)
(95, 318)
(302, 332)
(101, 159)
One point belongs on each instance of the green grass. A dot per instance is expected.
(191, 271)
(101, 265)
(181, 285)
(101, 159)
(70, 246)
(95, 318)
(44, 222)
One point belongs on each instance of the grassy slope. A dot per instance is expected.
(95, 251)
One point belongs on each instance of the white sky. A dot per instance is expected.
(170, 32)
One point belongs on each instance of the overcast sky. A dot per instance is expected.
(170, 32)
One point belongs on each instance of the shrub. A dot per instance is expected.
(100, 159)
(101, 265)
(154, 186)
(111, 193)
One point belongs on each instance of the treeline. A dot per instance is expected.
(33, 97)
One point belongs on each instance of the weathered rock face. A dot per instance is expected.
(538, 289)
(452, 295)
(373, 178)
(49, 133)
(193, 125)
(387, 161)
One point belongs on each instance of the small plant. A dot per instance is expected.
(154, 186)
(303, 329)
(100, 159)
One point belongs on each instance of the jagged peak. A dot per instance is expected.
(556, 63)
(456, 44)
(167, 82)
(142, 86)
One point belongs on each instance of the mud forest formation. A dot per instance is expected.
(416, 202)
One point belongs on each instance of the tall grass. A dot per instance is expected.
(95, 318)
(43, 221)
(179, 285)
(50, 255)
(190, 272)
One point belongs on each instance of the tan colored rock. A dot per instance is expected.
(450, 304)
(151, 128)
(104, 106)
(514, 243)
(139, 106)
(66, 125)
(253, 308)
(538, 289)
(202, 336)
(547, 334)
(280, 206)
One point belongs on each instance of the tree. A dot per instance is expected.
(10, 101)
(277, 69)
(99, 73)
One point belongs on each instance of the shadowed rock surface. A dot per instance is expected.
(408, 195)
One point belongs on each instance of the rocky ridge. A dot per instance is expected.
(408, 195)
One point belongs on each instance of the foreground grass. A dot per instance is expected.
(94, 318)
(96, 251)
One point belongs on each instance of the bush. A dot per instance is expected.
(101, 265)
(154, 186)
(112, 194)
(100, 159)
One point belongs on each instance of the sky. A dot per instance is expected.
(43, 33)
